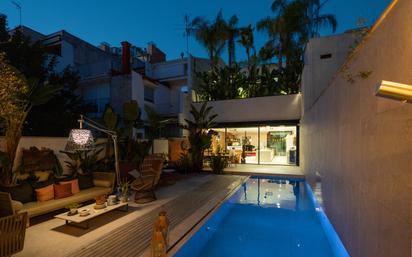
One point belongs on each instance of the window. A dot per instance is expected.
(149, 94)
(325, 56)
(265, 144)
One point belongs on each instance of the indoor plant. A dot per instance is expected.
(73, 207)
(124, 190)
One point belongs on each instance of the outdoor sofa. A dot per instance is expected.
(103, 187)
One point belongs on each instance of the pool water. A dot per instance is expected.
(266, 217)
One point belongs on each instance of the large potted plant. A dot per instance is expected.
(200, 133)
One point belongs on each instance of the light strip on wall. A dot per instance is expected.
(393, 90)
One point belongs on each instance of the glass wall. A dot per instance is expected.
(257, 145)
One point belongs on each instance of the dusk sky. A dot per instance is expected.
(161, 21)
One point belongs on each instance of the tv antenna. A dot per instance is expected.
(18, 7)
(187, 30)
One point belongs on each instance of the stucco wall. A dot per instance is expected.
(269, 108)
(359, 146)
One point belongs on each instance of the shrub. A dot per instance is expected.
(218, 163)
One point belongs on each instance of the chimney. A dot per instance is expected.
(156, 55)
(126, 57)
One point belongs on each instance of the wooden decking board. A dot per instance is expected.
(133, 238)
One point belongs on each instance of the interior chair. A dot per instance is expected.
(12, 227)
(146, 183)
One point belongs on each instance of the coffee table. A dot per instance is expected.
(75, 220)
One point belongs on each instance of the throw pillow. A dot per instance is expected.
(23, 193)
(62, 190)
(45, 193)
(74, 185)
(85, 181)
(43, 175)
(101, 183)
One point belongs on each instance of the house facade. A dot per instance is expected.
(115, 75)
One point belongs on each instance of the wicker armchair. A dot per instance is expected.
(6, 206)
(146, 183)
(12, 233)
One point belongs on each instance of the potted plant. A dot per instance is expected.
(200, 133)
(218, 163)
(73, 208)
(124, 190)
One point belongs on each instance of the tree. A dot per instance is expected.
(155, 124)
(200, 133)
(220, 83)
(212, 35)
(35, 62)
(315, 20)
(62, 111)
(18, 96)
(247, 41)
(232, 34)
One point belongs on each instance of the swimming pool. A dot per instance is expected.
(266, 217)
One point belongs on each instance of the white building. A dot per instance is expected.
(113, 75)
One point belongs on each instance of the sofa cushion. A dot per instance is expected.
(23, 193)
(74, 183)
(45, 193)
(42, 175)
(17, 206)
(39, 208)
(62, 190)
(85, 181)
(101, 183)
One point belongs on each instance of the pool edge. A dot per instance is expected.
(335, 242)
(172, 250)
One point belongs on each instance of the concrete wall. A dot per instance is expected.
(356, 147)
(318, 70)
(269, 108)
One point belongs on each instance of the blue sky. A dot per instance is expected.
(161, 21)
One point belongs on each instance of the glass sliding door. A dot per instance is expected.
(264, 144)
(278, 145)
(243, 143)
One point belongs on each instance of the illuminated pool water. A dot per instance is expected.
(266, 217)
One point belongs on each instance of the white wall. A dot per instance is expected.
(269, 108)
(67, 56)
(169, 69)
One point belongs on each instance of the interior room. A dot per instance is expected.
(275, 145)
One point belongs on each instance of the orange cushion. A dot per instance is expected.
(45, 193)
(62, 191)
(74, 185)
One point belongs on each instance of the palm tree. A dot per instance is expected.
(315, 20)
(199, 128)
(247, 41)
(294, 23)
(232, 33)
(212, 35)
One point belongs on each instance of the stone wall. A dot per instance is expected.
(358, 146)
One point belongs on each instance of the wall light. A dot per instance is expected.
(393, 90)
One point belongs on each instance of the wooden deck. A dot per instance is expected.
(133, 238)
